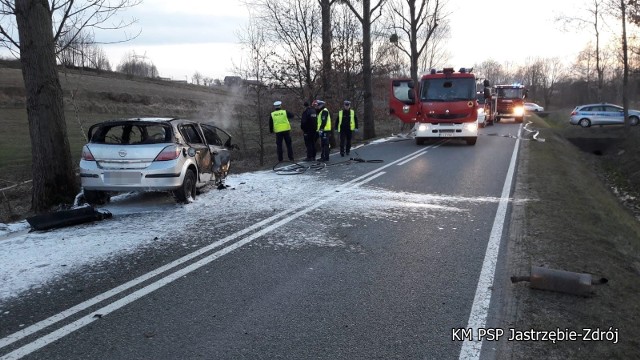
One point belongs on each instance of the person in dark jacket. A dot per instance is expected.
(346, 124)
(279, 123)
(309, 125)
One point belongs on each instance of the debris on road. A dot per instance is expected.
(560, 281)
(69, 217)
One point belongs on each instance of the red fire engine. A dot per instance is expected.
(443, 105)
(507, 101)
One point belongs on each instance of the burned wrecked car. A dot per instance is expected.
(153, 154)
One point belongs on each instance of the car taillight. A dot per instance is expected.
(86, 154)
(573, 113)
(171, 152)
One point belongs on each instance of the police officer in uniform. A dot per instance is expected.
(347, 124)
(324, 128)
(309, 126)
(279, 124)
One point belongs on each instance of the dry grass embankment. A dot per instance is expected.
(573, 221)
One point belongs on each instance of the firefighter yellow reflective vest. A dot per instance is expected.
(327, 126)
(352, 122)
(280, 121)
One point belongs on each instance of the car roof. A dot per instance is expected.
(598, 104)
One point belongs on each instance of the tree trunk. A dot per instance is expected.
(625, 59)
(54, 180)
(325, 6)
(369, 123)
(413, 42)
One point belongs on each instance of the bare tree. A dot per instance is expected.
(254, 68)
(137, 65)
(290, 28)
(347, 57)
(493, 71)
(593, 19)
(417, 20)
(325, 13)
(197, 78)
(82, 52)
(39, 25)
(435, 54)
(367, 16)
(532, 73)
(551, 71)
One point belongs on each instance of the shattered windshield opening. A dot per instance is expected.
(131, 134)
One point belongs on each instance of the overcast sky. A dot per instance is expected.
(182, 37)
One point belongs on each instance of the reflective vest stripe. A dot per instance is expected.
(327, 126)
(280, 121)
(352, 121)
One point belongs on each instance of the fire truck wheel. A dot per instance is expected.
(471, 141)
(419, 141)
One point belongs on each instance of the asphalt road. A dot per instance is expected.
(394, 287)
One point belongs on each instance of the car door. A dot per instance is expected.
(613, 115)
(219, 143)
(194, 138)
(595, 114)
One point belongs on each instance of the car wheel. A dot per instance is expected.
(95, 197)
(585, 123)
(471, 141)
(187, 191)
(633, 120)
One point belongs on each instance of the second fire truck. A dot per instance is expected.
(506, 101)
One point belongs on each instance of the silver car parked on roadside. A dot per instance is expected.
(601, 114)
(153, 154)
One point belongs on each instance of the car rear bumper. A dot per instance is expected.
(159, 176)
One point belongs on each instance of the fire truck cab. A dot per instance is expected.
(443, 105)
(507, 101)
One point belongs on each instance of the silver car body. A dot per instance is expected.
(133, 163)
(601, 114)
(533, 107)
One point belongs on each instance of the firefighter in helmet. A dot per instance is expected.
(279, 124)
(324, 128)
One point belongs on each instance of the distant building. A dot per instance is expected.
(232, 81)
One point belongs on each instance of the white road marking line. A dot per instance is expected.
(479, 310)
(421, 152)
(10, 339)
(87, 319)
(411, 158)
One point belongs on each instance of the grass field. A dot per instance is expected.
(573, 221)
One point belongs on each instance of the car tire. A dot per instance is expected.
(633, 120)
(585, 123)
(471, 141)
(95, 197)
(187, 191)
